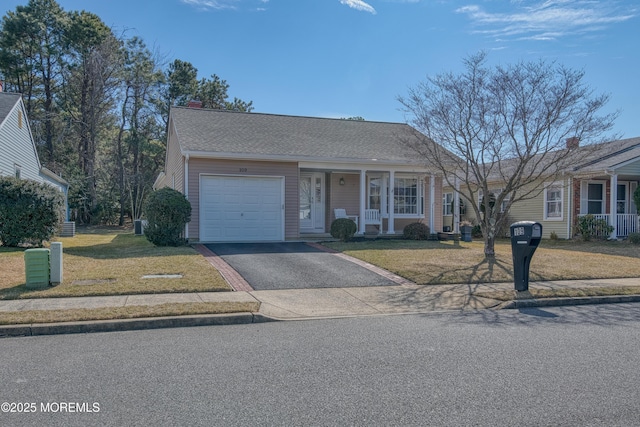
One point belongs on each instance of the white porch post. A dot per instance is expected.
(363, 200)
(432, 201)
(613, 208)
(456, 207)
(391, 227)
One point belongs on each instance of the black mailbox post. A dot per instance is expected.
(525, 238)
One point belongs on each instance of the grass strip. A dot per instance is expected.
(131, 312)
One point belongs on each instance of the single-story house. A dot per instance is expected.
(584, 188)
(267, 177)
(18, 154)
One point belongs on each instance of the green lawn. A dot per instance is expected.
(443, 262)
(112, 262)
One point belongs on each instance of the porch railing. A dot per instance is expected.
(626, 224)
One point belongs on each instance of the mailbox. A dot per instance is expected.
(525, 238)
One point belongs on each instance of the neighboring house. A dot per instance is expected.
(265, 177)
(584, 188)
(18, 154)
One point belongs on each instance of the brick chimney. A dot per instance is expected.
(573, 142)
(194, 104)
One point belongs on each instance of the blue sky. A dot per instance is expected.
(342, 58)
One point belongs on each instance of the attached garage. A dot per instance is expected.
(241, 208)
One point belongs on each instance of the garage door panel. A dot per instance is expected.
(235, 208)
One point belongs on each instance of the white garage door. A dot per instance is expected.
(241, 208)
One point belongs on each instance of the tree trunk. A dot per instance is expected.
(489, 247)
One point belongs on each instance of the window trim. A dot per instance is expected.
(584, 196)
(447, 204)
(557, 185)
(419, 196)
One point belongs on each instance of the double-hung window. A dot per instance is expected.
(592, 197)
(408, 196)
(496, 192)
(375, 193)
(447, 204)
(553, 201)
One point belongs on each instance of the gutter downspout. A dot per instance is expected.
(186, 191)
(570, 207)
(613, 204)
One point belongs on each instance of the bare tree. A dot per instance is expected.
(503, 124)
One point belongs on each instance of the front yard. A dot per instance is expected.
(442, 262)
(113, 262)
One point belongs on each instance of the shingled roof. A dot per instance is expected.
(608, 155)
(271, 136)
(7, 102)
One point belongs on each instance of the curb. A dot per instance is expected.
(569, 301)
(119, 325)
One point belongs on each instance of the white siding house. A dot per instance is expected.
(18, 154)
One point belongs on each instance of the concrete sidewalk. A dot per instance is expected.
(298, 304)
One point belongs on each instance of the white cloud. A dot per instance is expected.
(549, 19)
(211, 4)
(359, 5)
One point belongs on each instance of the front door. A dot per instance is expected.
(311, 202)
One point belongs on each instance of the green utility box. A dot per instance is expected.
(36, 262)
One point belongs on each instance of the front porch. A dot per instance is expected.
(381, 202)
(609, 198)
(625, 224)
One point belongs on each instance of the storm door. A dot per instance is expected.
(312, 202)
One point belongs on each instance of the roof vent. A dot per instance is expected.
(194, 104)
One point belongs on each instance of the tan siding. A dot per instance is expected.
(345, 196)
(174, 167)
(533, 210)
(199, 166)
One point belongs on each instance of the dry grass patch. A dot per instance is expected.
(443, 262)
(113, 263)
(132, 312)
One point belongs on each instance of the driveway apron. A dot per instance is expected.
(294, 265)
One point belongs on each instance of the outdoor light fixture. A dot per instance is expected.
(341, 180)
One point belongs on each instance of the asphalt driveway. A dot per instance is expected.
(295, 265)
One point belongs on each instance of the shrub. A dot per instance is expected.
(167, 211)
(30, 212)
(553, 235)
(416, 231)
(476, 231)
(589, 226)
(343, 229)
(634, 238)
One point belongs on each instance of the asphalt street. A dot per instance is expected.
(293, 265)
(552, 366)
